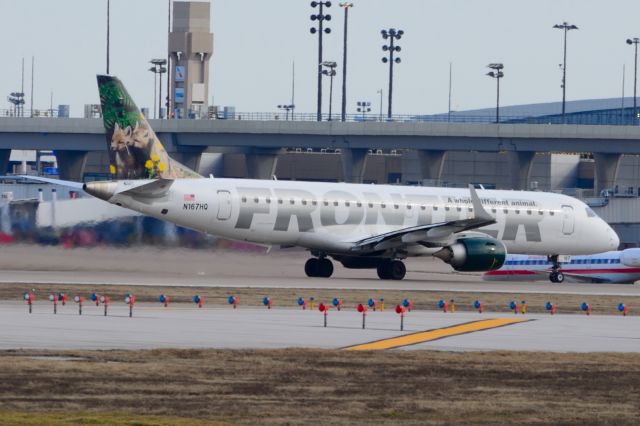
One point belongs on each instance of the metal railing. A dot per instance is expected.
(40, 113)
(602, 117)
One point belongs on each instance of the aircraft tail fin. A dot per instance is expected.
(135, 152)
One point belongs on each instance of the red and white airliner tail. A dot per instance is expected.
(616, 267)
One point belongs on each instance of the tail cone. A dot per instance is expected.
(101, 189)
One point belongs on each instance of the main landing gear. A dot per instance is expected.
(318, 267)
(555, 276)
(391, 270)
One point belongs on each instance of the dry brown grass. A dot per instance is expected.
(327, 386)
(286, 297)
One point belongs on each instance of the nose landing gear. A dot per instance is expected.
(555, 276)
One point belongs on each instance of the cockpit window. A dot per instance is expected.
(591, 213)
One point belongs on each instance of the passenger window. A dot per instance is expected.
(540, 212)
(529, 212)
(325, 202)
(256, 200)
(244, 199)
(268, 200)
(459, 209)
(408, 206)
(370, 205)
(291, 201)
(494, 211)
(435, 208)
(346, 203)
(423, 207)
(383, 205)
(517, 211)
(314, 203)
(335, 203)
(505, 211)
(395, 206)
(551, 213)
(447, 208)
(304, 202)
(359, 204)
(280, 201)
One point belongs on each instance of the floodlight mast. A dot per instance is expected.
(566, 28)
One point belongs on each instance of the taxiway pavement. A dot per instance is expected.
(185, 326)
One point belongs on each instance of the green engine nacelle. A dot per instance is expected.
(474, 254)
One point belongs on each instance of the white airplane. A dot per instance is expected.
(616, 267)
(358, 225)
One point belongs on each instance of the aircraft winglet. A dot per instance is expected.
(478, 210)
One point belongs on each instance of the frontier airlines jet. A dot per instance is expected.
(360, 226)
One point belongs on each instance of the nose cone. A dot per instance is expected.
(614, 240)
(101, 189)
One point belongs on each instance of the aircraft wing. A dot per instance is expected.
(67, 183)
(427, 233)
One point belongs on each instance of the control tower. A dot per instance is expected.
(190, 48)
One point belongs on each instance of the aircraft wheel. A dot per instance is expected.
(397, 270)
(383, 271)
(325, 268)
(553, 277)
(559, 277)
(312, 267)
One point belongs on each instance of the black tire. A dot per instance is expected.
(325, 268)
(383, 271)
(311, 267)
(397, 270)
(553, 277)
(559, 277)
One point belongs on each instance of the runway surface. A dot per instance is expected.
(281, 268)
(190, 327)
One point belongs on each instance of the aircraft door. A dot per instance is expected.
(224, 205)
(567, 220)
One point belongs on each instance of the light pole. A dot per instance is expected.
(287, 108)
(565, 27)
(364, 107)
(320, 17)
(346, 7)
(108, 30)
(497, 74)
(331, 72)
(635, 42)
(391, 34)
(159, 68)
(381, 92)
(155, 91)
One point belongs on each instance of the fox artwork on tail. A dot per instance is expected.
(135, 152)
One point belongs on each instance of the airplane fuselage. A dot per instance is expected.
(330, 216)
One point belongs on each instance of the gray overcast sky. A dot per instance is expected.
(256, 41)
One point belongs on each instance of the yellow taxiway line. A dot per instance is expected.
(430, 335)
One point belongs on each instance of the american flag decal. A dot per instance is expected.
(189, 197)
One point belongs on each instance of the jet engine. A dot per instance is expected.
(474, 254)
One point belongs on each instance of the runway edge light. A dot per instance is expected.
(363, 310)
(622, 307)
(198, 300)
(325, 310)
(267, 302)
(104, 299)
(551, 307)
(408, 304)
(400, 311)
(233, 300)
(586, 307)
